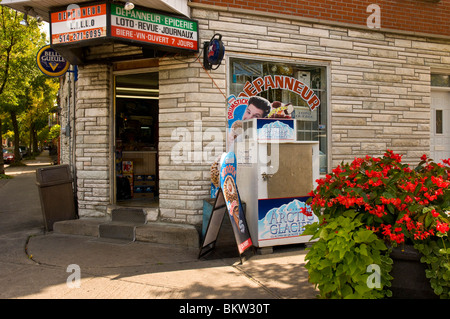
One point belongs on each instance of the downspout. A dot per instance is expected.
(70, 133)
(74, 157)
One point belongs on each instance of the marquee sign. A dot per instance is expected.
(153, 28)
(51, 63)
(80, 26)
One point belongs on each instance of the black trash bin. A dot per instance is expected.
(56, 194)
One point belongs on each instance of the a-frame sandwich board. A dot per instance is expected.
(227, 201)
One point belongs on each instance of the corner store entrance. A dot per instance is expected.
(136, 139)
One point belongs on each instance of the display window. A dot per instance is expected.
(282, 90)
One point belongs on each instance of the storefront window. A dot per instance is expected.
(311, 124)
(440, 80)
(439, 128)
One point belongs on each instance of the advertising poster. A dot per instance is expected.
(280, 218)
(51, 63)
(232, 200)
(248, 105)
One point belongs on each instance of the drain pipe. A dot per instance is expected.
(71, 132)
(75, 185)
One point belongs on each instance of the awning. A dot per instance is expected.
(43, 7)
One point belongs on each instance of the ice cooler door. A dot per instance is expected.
(291, 174)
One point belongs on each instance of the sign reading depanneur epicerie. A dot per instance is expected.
(154, 28)
(93, 24)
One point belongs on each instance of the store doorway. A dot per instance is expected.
(440, 125)
(136, 139)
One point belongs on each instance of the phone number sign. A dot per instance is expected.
(110, 21)
(77, 24)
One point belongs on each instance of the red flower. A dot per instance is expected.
(434, 213)
(391, 192)
(442, 227)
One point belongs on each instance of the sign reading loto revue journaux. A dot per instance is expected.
(154, 28)
(84, 25)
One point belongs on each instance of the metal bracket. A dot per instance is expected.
(266, 176)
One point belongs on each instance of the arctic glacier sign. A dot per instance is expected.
(283, 130)
(283, 217)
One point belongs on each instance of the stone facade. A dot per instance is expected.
(379, 98)
(93, 140)
(379, 82)
(90, 140)
(189, 100)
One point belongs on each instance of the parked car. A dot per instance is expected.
(23, 151)
(8, 156)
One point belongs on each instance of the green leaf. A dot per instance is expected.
(391, 208)
(364, 236)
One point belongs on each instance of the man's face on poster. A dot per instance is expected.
(252, 112)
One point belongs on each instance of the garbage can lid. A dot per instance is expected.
(52, 175)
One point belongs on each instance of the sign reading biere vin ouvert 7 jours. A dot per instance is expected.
(79, 25)
(156, 28)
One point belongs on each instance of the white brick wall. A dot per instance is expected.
(187, 97)
(93, 143)
(380, 82)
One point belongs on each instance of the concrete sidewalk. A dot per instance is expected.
(35, 264)
(144, 270)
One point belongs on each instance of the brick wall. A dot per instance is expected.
(192, 115)
(407, 15)
(92, 137)
(379, 85)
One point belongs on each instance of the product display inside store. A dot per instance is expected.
(136, 130)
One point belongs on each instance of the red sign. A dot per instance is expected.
(78, 23)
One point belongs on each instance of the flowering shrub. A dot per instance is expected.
(398, 204)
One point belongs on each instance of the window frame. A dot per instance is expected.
(298, 62)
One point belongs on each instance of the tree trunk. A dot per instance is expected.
(2, 164)
(35, 140)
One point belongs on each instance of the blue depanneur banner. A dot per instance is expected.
(228, 167)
